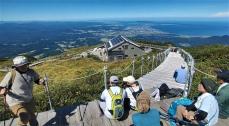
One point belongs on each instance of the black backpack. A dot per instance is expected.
(135, 94)
(163, 89)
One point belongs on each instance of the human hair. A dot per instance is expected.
(143, 102)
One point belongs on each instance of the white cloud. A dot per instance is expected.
(221, 14)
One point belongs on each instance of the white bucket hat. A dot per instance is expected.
(129, 79)
(20, 61)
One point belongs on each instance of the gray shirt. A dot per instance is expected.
(22, 87)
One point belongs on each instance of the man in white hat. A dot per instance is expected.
(109, 96)
(133, 90)
(17, 86)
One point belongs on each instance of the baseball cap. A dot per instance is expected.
(114, 79)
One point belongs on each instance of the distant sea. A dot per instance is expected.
(195, 28)
(41, 39)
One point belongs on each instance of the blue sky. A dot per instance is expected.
(73, 10)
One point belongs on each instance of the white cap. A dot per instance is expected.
(129, 79)
(20, 61)
(114, 79)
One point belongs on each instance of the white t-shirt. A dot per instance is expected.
(130, 95)
(207, 102)
(106, 96)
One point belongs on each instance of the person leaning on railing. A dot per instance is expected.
(17, 87)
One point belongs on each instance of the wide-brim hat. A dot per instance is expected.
(20, 61)
(129, 79)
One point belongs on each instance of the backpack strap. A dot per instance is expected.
(112, 94)
(12, 78)
(131, 90)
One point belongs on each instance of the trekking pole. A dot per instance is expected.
(47, 91)
(4, 96)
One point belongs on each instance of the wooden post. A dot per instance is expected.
(142, 66)
(105, 77)
(133, 66)
(153, 62)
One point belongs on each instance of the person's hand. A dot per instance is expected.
(190, 117)
(185, 114)
(3, 91)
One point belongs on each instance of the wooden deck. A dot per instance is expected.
(90, 114)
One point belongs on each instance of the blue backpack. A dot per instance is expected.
(173, 108)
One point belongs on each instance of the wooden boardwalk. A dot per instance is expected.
(164, 73)
(89, 114)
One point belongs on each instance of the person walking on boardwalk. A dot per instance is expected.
(17, 88)
(222, 95)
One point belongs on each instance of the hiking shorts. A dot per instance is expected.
(25, 112)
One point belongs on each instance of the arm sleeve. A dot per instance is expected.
(5, 81)
(200, 115)
(202, 112)
(36, 77)
(103, 95)
(191, 107)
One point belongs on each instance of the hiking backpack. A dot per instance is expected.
(117, 109)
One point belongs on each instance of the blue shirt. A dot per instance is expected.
(180, 75)
(151, 118)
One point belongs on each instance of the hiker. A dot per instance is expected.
(222, 95)
(181, 75)
(146, 116)
(112, 100)
(133, 89)
(205, 108)
(17, 86)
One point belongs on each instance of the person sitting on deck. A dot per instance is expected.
(112, 100)
(147, 116)
(133, 89)
(205, 108)
(222, 95)
(181, 74)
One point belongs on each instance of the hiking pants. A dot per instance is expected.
(25, 112)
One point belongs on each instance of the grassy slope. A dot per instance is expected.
(207, 59)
